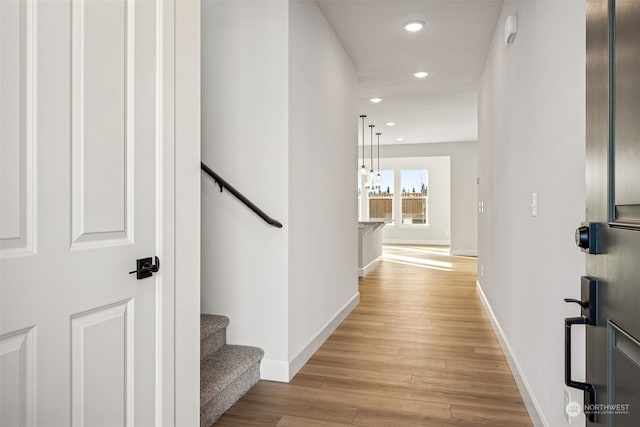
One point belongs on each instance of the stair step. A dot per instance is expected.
(211, 323)
(213, 334)
(225, 377)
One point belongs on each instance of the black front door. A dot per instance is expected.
(613, 210)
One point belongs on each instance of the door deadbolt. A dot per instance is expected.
(587, 237)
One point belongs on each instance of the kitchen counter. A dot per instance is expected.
(370, 244)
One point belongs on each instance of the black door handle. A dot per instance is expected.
(589, 391)
(589, 308)
(583, 304)
(146, 268)
(567, 351)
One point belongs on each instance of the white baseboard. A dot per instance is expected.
(369, 267)
(283, 371)
(535, 412)
(325, 332)
(415, 242)
(274, 370)
(464, 252)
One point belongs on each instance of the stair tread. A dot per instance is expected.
(211, 323)
(223, 367)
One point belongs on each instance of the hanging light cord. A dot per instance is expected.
(363, 117)
(379, 133)
(372, 126)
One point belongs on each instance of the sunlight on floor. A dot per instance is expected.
(417, 261)
(413, 264)
(433, 250)
(418, 256)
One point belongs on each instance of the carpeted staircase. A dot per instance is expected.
(227, 372)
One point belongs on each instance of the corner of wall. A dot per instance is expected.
(321, 336)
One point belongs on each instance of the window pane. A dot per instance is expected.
(381, 197)
(414, 196)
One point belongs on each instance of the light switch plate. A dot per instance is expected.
(534, 204)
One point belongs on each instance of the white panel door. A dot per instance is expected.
(82, 166)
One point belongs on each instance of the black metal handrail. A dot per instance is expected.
(224, 184)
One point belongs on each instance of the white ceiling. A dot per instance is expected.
(452, 48)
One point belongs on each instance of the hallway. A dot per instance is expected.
(417, 351)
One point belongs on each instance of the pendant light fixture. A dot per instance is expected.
(363, 169)
(378, 176)
(371, 146)
(371, 181)
(369, 184)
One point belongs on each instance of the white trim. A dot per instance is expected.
(325, 332)
(166, 249)
(464, 252)
(415, 242)
(369, 267)
(164, 224)
(130, 142)
(533, 407)
(284, 371)
(274, 370)
(182, 104)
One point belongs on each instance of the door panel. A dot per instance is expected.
(17, 132)
(17, 370)
(103, 48)
(102, 365)
(626, 112)
(81, 338)
(613, 200)
(624, 376)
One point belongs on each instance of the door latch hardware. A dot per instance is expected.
(589, 302)
(146, 268)
(587, 238)
(589, 391)
(589, 310)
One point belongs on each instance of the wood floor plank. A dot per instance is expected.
(289, 421)
(417, 351)
(489, 416)
(289, 405)
(231, 419)
(345, 373)
(376, 418)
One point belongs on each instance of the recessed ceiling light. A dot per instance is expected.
(413, 26)
(399, 139)
(421, 74)
(375, 100)
(391, 124)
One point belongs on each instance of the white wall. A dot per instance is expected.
(245, 128)
(464, 170)
(278, 114)
(438, 230)
(323, 232)
(532, 139)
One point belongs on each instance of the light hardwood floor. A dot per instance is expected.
(417, 351)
